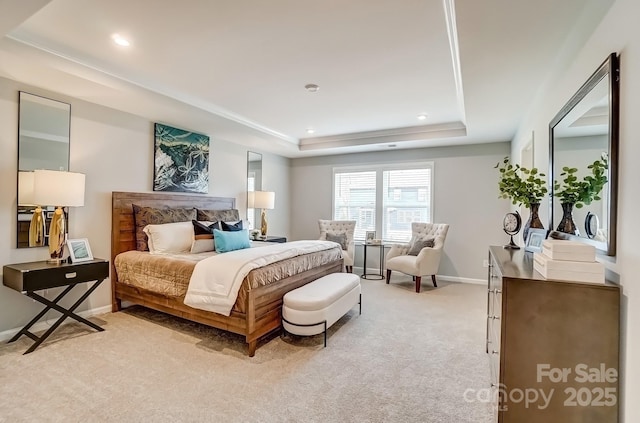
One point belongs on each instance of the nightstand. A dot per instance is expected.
(279, 239)
(35, 276)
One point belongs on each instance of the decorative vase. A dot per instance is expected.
(567, 225)
(534, 220)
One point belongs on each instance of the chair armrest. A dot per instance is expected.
(351, 248)
(428, 260)
(397, 250)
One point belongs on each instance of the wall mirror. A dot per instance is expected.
(586, 129)
(43, 143)
(254, 183)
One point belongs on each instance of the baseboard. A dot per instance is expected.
(358, 271)
(461, 280)
(45, 324)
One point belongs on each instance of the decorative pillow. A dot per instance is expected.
(231, 227)
(203, 236)
(231, 240)
(228, 215)
(339, 238)
(169, 237)
(143, 216)
(419, 244)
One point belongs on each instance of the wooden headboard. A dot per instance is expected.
(123, 237)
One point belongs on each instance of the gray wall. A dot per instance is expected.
(465, 197)
(617, 32)
(115, 151)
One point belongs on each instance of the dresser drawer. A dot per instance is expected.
(42, 275)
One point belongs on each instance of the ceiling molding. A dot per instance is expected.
(384, 136)
(452, 31)
(154, 88)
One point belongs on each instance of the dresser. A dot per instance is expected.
(553, 346)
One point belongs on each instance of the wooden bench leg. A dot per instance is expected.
(388, 275)
(433, 279)
(418, 281)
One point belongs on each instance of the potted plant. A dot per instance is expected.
(522, 186)
(574, 192)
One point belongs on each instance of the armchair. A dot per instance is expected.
(427, 260)
(340, 230)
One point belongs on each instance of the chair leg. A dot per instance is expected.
(418, 281)
(349, 269)
(388, 275)
(433, 279)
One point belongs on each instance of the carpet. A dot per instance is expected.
(408, 358)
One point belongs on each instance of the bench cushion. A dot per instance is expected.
(322, 292)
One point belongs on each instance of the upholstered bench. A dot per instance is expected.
(314, 307)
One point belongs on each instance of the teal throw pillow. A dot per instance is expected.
(231, 240)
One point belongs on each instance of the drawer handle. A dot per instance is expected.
(70, 275)
(494, 352)
(497, 291)
(495, 317)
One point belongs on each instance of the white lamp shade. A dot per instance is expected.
(264, 199)
(58, 188)
(25, 188)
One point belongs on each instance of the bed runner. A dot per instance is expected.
(216, 280)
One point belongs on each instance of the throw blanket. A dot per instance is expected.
(216, 280)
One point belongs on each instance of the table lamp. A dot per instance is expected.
(60, 189)
(264, 200)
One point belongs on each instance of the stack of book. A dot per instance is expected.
(568, 261)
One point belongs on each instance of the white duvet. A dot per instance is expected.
(216, 280)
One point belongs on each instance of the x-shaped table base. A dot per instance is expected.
(54, 305)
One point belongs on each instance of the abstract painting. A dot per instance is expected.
(181, 161)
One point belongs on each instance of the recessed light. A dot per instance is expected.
(312, 88)
(422, 116)
(121, 41)
(310, 131)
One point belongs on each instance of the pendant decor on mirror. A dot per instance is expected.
(533, 221)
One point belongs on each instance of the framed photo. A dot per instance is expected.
(79, 250)
(534, 240)
(371, 235)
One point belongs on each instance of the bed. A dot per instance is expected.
(257, 312)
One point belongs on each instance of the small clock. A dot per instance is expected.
(511, 224)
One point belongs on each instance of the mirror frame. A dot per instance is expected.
(256, 212)
(24, 96)
(610, 69)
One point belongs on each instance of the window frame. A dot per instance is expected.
(379, 169)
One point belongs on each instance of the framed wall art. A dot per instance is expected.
(181, 160)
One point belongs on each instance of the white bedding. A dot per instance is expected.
(216, 280)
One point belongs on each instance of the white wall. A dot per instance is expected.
(465, 196)
(115, 151)
(617, 32)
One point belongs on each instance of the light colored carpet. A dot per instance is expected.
(408, 358)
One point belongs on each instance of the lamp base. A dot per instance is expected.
(263, 224)
(57, 236)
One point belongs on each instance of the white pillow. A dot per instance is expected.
(170, 237)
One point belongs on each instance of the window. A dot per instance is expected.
(385, 199)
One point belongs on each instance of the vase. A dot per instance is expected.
(534, 220)
(567, 225)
